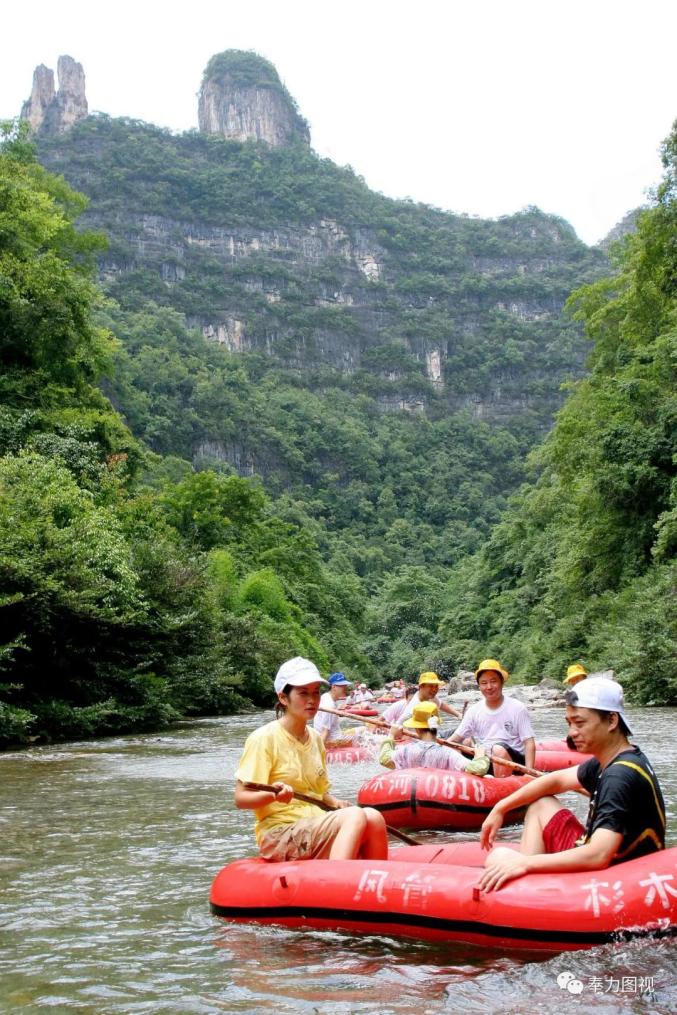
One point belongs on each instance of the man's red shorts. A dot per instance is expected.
(562, 831)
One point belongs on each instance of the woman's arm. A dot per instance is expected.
(334, 802)
(253, 799)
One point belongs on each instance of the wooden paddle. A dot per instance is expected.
(508, 762)
(328, 807)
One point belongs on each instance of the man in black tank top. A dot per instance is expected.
(626, 817)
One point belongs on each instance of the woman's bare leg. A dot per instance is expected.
(362, 833)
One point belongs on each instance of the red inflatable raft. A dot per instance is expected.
(552, 759)
(431, 892)
(361, 711)
(432, 798)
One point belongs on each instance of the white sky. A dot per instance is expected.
(477, 106)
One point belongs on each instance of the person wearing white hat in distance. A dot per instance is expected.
(326, 724)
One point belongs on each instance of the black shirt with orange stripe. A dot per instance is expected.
(625, 798)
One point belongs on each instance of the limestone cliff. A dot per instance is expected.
(53, 112)
(292, 262)
(243, 98)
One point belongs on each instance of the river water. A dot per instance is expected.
(107, 851)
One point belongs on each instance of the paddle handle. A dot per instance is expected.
(508, 762)
(328, 807)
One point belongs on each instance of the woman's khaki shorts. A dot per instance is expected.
(307, 839)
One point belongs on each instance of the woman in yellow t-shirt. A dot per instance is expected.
(289, 755)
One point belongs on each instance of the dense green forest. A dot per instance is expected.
(134, 590)
(582, 564)
(145, 577)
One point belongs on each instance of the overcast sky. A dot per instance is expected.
(481, 107)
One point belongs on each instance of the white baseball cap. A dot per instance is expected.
(297, 672)
(603, 694)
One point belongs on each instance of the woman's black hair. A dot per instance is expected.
(280, 709)
(410, 689)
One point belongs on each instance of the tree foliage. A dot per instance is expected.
(582, 564)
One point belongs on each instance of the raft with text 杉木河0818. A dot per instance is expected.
(436, 798)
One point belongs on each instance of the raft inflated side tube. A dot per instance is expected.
(553, 761)
(430, 892)
(435, 798)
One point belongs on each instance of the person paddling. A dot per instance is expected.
(289, 755)
(394, 713)
(425, 752)
(502, 725)
(626, 816)
(428, 689)
(575, 673)
(327, 725)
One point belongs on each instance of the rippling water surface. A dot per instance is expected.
(107, 851)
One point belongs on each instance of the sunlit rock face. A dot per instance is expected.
(53, 112)
(242, 98)
(42, 95)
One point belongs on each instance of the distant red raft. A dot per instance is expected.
(432, 798)
(552, 755)
(361, 711)
(430, 892)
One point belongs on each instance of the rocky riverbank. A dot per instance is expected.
(463, 687)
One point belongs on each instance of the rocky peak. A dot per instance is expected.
(50, 112)
(242, 98)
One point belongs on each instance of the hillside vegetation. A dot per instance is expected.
(177, 517)
(582, 564)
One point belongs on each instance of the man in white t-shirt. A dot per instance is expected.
(428, 686)
(501, 725)
(327, 725)
(393, 714)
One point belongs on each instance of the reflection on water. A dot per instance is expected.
(108, 849)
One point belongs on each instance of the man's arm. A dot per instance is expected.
(449, 709)
(505, 865)
(530, 752)
(545, 785)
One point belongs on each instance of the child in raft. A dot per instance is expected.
(424, 751)
(288, 755)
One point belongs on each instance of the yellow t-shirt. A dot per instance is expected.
(273, 755)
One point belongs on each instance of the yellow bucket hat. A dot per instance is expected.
(491, 664)
(429, 678)
(575, 673)
(421, 716)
